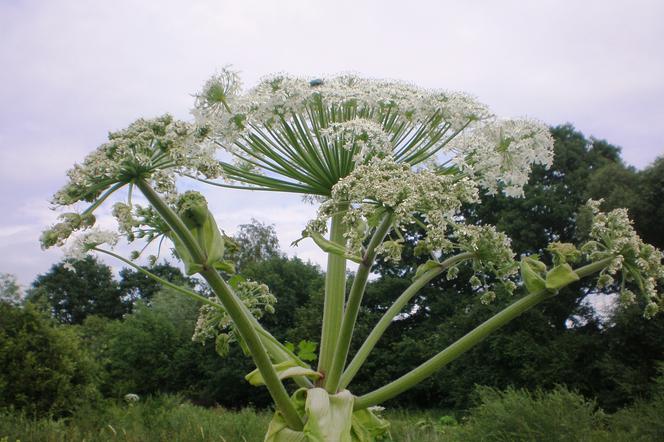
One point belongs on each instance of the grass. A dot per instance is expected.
(167, 418)
(509, 415)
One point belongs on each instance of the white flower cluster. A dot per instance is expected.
(384, 185)
(282, 96)
(640, 264)
(80, 245)
(319, 130)
(215, 323)
(499, 154)
(131, 398)
(363, 136)
(491, 249)
(217, 91)
(153, 149)
(69, 222)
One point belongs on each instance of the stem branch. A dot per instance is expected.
(465, 343)
(387, 318)
(335, 294)
(353, 305)
(243, 320)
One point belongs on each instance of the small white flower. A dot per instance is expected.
(79, 246)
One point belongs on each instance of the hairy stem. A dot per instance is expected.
(465, 343)
(233, 305)
(396, 308)
(353, 305)
(335, 296)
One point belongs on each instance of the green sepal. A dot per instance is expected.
(285, 370)
(332, 247)
(190, 267)
(560, 276)
(194, 213)
(222, 344)
(423, 268)
(225, 266)
(328, 417)
(531, 270)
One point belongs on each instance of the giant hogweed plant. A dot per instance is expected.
(376, 157)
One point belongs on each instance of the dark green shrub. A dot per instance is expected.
(643, 421)
(518, 415)
(44, 369)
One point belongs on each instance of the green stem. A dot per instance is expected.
(234, 307)
(102, 198)
(335, 296)
(193, 295)
(465, 343)
(398, 305)
(275, 348)
(353, 305)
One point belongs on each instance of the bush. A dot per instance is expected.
(518, 415)
(44, 371)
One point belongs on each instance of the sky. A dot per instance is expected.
(71, 71)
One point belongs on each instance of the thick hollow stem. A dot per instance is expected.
(277, 350)
(396, 308)
(465, 343)
(233, 305)
(353, 305)
(335, 294)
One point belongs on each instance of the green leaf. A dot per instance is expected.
(306, 350)
(235, 280)
(423, 268)
(225, 266)
(560, 276)
(285, 370)
(530, 274)
(367, 426)
(278, 430)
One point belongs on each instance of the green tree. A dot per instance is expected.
(255, 241)
(135, 285)
(72, 290)
(44, 368)
(650, 211)
(561, 342)
(10, 291)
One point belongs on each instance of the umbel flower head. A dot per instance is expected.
(299, 135)
(155, 150)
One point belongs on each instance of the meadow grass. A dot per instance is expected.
(167, 418)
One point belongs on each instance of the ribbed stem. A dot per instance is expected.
(233, 305)
(335, 296)
(396, 308)
(465, 343)
(353, 305)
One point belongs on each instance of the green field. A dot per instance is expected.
(512, 415)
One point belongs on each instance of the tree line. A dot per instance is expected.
(81, 334)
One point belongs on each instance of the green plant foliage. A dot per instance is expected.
(72, 290)
(517, 415)
(136, 286)
(45, 370)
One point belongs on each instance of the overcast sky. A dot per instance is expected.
(70, 71)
